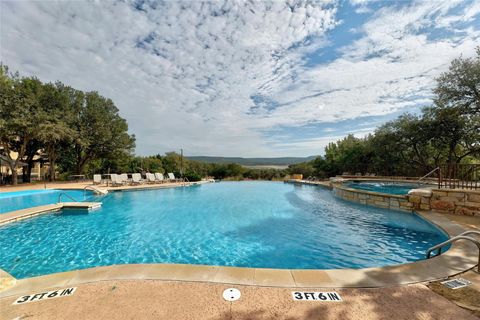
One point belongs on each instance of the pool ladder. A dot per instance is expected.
(431, 172)
(101, 193)
(96, 190)
(67, 195)
(462, 236)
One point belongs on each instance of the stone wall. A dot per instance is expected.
(462, 202)
(456, 201)
(420, 198)
(393, 202)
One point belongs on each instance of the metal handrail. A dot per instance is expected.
(100, 193)
(437, 168)
(94, 189)
(68, 196)
(462, 236)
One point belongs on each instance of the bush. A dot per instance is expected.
(192, 176)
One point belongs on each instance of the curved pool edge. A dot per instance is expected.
(371, 198)
(30, 212)
(461, 257)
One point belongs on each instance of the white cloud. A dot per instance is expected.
(181, 73)
(184, 73)
(390, 68)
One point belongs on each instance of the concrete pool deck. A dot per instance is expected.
(153, 299)
(102, 187)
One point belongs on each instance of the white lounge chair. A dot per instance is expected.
(137, 178)
(159, 177)
(171, 177)
(150, 177)
(124, 178)
(116, 180)
(97, 179)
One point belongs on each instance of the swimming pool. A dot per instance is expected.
(383, 187)
(243, 224)
(11, 201)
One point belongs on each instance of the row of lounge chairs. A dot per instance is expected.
(136, 178)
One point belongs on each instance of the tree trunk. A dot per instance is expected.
(29, 174)
(51, 170)
(27, 171)
(52, 158)
(14, 175)
(25, 175)
(82, 161)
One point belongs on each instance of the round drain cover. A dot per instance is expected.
(231, 294)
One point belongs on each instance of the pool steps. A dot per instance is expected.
(35, 211)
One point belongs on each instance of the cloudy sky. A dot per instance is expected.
(243, 78)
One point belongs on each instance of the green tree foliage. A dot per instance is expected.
(100, 131)
(306, 169)
(73, 129)
(54, 130)
(19, 116)
(459, 87)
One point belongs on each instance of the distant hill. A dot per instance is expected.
(283, 161)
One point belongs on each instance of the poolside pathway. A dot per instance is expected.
(83, 184)
(153, 299)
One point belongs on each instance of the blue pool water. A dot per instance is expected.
(245, 224)
(11, 201)
(383, 187)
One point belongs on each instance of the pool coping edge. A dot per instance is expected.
(460, 257)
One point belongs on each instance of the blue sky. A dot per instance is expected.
(239, 78)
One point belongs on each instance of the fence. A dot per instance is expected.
(459, 176)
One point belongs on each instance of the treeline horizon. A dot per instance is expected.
(83, 133)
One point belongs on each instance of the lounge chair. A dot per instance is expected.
(116, 180)
(159, 177)
(97, 179)
(171, 177)
(137, 178)
(150, 177)
(124, 178)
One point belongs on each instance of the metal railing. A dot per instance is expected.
(459, 176)
(98, 191)
(462, 236)
(428, 174)
(67, 195)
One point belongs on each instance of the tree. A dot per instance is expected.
(33, 150)
(19, 116)
(459, 87)
(100, 131)
(305, 168)
(453, 133)
(172, 162)
(54, 130)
